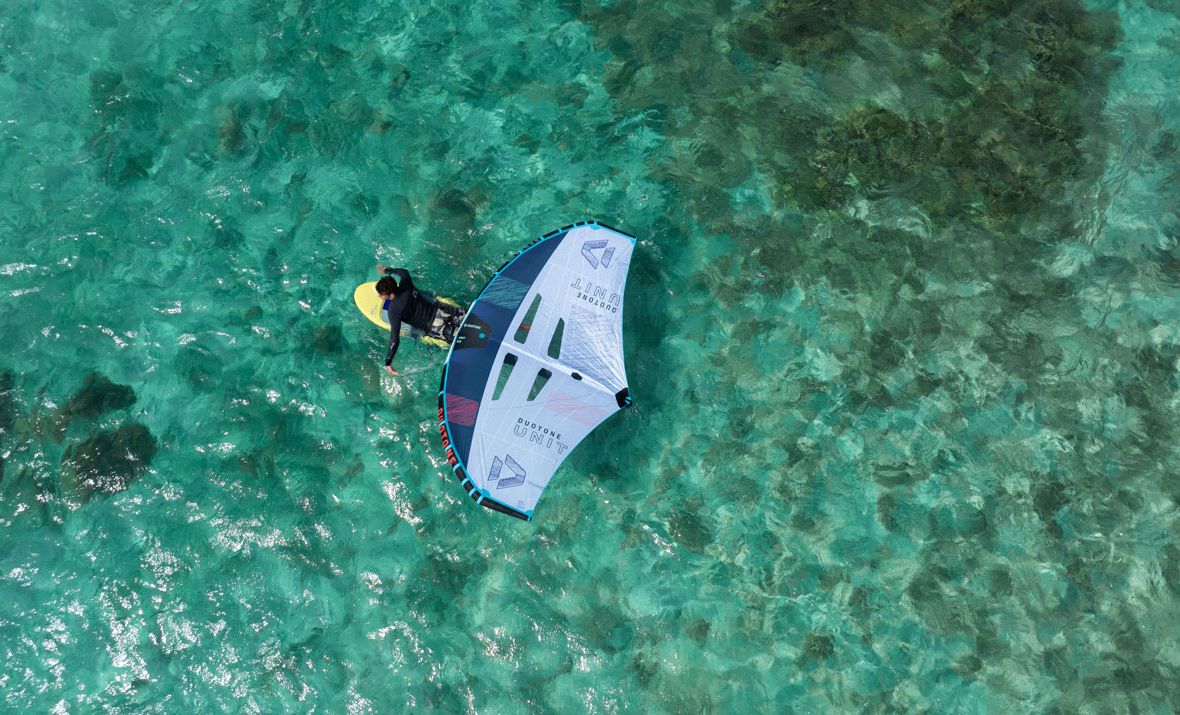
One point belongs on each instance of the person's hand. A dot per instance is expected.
(391, 371)
(381, 268)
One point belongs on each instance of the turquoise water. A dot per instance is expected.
(901, 329)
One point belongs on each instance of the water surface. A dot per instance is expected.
(901, 330)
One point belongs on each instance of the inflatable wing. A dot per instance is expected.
(536, 365)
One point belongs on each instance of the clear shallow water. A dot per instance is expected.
(901, 329)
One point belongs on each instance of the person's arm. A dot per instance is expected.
(405, 284)
(396, 307)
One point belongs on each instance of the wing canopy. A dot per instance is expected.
(536, 365)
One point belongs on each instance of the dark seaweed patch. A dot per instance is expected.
(98, 396)
(112, 460)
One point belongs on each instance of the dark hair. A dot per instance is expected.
(387, 285)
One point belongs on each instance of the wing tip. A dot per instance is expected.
(595, 223)
(489, 503)
(612, 228)
(479, 496)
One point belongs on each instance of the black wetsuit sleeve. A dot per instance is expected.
(397, 306)
(405, 284)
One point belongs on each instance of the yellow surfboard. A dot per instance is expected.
(366, 298)
(370, 303)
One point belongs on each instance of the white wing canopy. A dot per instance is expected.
(536, 365)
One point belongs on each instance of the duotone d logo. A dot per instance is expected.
(498, 465)
(588, 252)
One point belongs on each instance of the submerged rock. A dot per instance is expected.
(818, 646)
(454, 213)
(98, 396)
(328, 340)
(689, 529)
(111, 460)
(28, 495)
(200, 367)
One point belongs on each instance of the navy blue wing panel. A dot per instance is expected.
(487, 325)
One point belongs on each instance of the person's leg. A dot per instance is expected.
(452, 316)
(438, 323)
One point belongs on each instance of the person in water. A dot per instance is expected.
(405, 304)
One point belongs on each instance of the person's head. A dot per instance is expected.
(387, 287)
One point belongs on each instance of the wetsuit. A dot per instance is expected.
(410, 306)
(406, 306)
